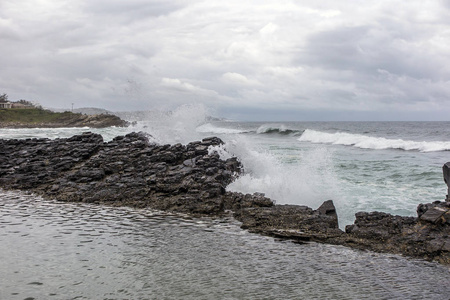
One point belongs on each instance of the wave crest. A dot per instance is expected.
(368, 142)
(209, 128)
(276, 129)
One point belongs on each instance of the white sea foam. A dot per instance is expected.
(209, 128)
(369, 142)
(61, 132)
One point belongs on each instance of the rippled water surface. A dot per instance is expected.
(51, 250)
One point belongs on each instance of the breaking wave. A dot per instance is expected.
(276, 129)
(369, 142)
(209, 128)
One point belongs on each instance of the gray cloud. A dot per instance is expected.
(236, 57)
(131, 9)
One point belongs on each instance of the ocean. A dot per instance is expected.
(78, 251)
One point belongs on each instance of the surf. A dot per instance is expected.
(370, 142)
(277, 129)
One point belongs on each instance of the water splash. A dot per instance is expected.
(178, 126)
(300, 182)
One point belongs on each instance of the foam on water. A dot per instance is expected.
(209, 128)
(369, 142)
(54, 133)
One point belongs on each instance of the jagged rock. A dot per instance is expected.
(292, 221)
(238, 201)
(129, 170)
(126, 171)
(327, 208)
(446, 171)
(427, 236)
(437, 212)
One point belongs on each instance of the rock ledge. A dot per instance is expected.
(192, 179)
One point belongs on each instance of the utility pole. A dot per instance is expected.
(72, 107)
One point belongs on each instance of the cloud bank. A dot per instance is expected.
(267, 60)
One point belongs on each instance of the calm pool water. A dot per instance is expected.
(51, 250)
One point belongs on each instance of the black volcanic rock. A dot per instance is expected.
(192, 179)
(291, 221)
(427, 236)
(126, 171)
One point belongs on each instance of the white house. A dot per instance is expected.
(5, 104)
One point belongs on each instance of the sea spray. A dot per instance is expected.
(178, 126)
(210, 128)
(296, 183)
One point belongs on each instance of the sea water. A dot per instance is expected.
(51, 250)
(361, 166)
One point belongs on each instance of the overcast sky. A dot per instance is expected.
(248, 60)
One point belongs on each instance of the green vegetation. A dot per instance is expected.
(26, 114)
(34, 115)
(3, 98)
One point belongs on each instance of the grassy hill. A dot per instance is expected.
(35, 117)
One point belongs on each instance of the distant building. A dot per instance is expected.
(21, 105)
(18, 104)
(5, 104)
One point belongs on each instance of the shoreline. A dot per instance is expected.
(129, 171)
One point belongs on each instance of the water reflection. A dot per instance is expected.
(51, 250)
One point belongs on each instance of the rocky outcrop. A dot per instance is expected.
(296, 222)
(192, 179)
(426, 236)
(126, 171)
(97, 121)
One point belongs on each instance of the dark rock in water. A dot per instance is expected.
(192, 179)
(446, 171)
(427, 236)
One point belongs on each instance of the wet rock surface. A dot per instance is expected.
(426, 236)
(192, 179)
(299, 223)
